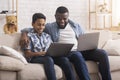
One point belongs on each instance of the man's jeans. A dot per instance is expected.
(97, 55)
(66, 66)
(48, 65)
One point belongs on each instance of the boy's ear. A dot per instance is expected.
(55, 15)
(33, 25)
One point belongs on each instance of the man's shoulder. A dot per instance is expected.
(77, 26)
(51, 24)
(72, 22)
(27, 29)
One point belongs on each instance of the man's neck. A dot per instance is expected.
(61, 27)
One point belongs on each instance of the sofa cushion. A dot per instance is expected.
(5, 50)
(92, 67)
(36, 72)
(114, 63)
(113, 47)
(105, 35)
(11, 64)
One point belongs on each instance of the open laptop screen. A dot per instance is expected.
(59, 49)
(88, 41)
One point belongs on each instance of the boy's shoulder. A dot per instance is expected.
(46, 34)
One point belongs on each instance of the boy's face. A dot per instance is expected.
(39, 25)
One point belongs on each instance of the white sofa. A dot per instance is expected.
(14, 69)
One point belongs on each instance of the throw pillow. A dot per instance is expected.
(113, 47)
(12, 53)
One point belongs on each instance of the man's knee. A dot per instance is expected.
(102, 53)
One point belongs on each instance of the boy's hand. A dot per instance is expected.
(42, 53)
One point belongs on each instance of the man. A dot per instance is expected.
(66, 31)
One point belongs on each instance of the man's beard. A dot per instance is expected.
(61, 27)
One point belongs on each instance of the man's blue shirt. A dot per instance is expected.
(53, 30)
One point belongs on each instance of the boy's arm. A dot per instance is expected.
(29, 53)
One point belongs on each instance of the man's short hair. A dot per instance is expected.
(38, 16)
(62, 9)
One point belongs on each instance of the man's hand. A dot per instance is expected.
(24, 40)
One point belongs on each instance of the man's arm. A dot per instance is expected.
(24, 40)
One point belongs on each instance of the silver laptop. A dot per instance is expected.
(88, 41)
(59, 49)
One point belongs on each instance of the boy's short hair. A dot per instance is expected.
(62, 9)
(38, 16)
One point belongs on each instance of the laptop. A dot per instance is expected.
(88, 41)
(59, 49)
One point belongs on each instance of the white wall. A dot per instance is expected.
(116, 12)
(26, 8)
(78, 11)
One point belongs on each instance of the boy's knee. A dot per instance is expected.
(49, 59)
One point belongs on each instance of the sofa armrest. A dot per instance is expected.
(11, 64)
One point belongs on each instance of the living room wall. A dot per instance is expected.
(26, 8)
(78, 11)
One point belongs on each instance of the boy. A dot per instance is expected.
(38, 45)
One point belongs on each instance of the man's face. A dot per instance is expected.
(39, 25)
(62, 19)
